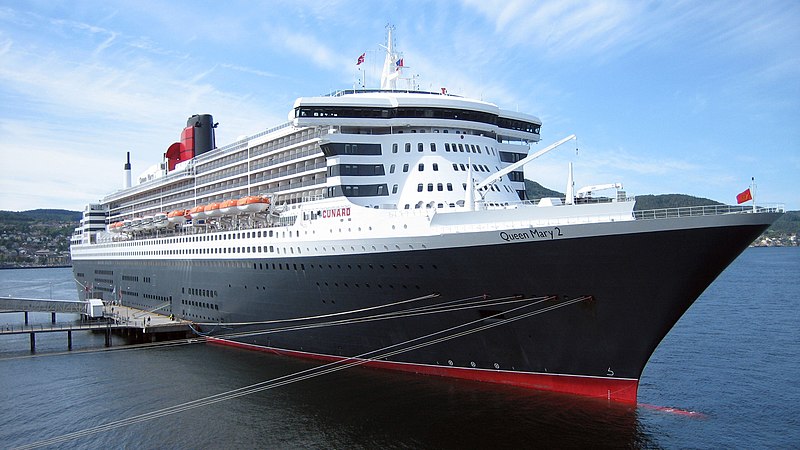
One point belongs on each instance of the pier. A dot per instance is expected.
(138, 325)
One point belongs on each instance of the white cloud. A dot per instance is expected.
(75, 115)
(559, 28)
(5, 46)
(249, 70)
(305, 45)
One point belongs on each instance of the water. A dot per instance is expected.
(732, 359)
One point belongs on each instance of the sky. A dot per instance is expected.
(691, 97)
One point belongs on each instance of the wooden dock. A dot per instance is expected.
(135, 324)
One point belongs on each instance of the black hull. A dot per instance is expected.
(629, 289)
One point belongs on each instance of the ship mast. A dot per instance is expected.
(391, 70)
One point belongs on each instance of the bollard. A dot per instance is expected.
(26, 317)
(69, 339)
(33, 341)
(53, 317)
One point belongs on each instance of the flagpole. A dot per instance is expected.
(753, 192)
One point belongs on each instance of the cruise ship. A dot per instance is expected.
(391, 227)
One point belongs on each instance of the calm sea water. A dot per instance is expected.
(733, 359)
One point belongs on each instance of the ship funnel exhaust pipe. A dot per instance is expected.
(126, 182)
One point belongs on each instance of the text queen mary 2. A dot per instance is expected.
(390, 227)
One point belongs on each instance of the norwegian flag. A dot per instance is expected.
(361, 59)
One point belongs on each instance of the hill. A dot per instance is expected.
(789, 223)
(645, 202)
(535, 190)
(41, 215)
(36, 238)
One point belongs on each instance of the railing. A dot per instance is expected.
(712, 210)
(16, 328)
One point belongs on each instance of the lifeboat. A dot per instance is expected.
(147, 223)
(160, 220)
(213, 209)
(127, 225)
(198, 212)
(136, 223)
(177, 216)
(228, 207)
(252, 204)
(115, 227)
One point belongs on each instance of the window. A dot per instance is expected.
(391, 168)
(338, 148)
(394, 189)
(405, 167)
(511, 157)
(419, 187)
(394, 148)
(420, 147)
(455, 167)
(449, 186)
(516, 176)
(360, 190)
(435, 167)
(421, 167)
(408, 147)
(439, 187)
(430, 187)
(447, 146)
(433, 146)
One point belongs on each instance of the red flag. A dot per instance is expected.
(744, 196)
(361, 58)
(444, 91)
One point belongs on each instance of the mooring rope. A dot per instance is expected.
(322, 316)
(313, 372)
(419, 311)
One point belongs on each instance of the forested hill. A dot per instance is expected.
(36, 238)
(644, 202)
(41, 215)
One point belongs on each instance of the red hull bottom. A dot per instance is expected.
(614, 389)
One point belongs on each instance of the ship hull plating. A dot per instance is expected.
(579, 315)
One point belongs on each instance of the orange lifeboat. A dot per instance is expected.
(177, 216)
(197, 212)
(228, 207)
(252, 203)
(115, 227)
(213, 209)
